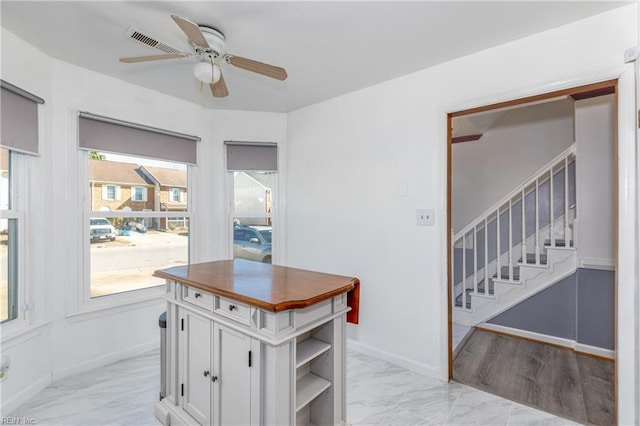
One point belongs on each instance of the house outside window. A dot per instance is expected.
(171, 194)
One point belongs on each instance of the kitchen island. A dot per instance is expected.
(255, 344)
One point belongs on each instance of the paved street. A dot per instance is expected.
(125, 264)
(129, 262)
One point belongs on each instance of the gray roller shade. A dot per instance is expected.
(19, 119)
(243, 156)
(104, 134)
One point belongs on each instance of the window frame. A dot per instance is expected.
(18, 206)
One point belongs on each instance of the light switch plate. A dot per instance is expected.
(425, 217)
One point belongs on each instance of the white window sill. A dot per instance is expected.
(109, 305)
(14, 334)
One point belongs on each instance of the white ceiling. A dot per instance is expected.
(328, 48)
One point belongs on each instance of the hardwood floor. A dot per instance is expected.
(550, 378)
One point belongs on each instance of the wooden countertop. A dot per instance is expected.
(271, 287)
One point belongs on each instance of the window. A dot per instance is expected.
(111, 192)
(252, 168)
(128, 241)
(19, 142)
(138, 193)
(252, 215)
(131, 232)
(174, 195)
(8, 243)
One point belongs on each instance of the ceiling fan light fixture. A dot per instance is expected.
(207, 72)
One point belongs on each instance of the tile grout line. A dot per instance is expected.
(509, 414)
(452, 407)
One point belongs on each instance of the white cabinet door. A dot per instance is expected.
(195, 341)
(233, 387)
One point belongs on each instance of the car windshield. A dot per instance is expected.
(99, 222)
(266, 234)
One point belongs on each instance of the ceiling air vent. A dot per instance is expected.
(140, 37)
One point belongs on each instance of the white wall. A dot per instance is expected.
(74, 336)
(517, 146)
(595, 177)
(371, 158)
(30, 69)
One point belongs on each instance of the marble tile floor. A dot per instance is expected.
(378, 393)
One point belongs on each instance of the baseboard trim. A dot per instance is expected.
(595, 351)
(545, 338)
(399, 360)
(27, 393)
(596, 263)
(551, 340)
(104, 360)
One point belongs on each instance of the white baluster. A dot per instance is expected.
(498, 263)
(524, 231)
(453, 268)
(552, 227)
(510, 243)
(464, 271)
(486, 257)
(475, 260)
(566, 202)
(537, 235)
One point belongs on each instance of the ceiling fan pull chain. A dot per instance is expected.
(201, 87)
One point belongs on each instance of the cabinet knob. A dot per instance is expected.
(197, 295)
(214, 378)
(232, 307)
(206, 373)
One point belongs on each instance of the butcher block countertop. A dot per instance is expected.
(270, 287)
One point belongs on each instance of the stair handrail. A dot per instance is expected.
(571, 150)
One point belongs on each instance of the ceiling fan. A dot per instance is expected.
(209, 48)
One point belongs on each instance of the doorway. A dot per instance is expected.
(558, 231)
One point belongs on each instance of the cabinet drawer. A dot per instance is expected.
(233, 309)
(199, 298)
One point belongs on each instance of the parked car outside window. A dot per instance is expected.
(252, 243)
(100, 229)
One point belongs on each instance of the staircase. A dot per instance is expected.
(517, 248)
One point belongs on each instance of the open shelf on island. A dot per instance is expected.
(308, 387)
(309, 349)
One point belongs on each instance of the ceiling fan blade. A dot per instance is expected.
(219, 89)
(191, 30)
(257, 67)
(134, 59)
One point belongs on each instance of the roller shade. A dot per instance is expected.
(19, 119)
(244, 156)
(104, 134)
